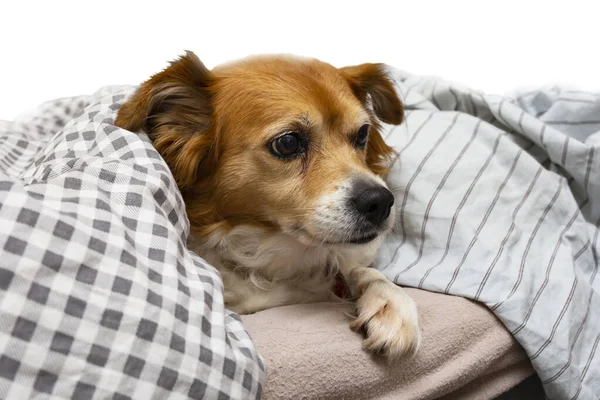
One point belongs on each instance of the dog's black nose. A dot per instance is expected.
(375, 203)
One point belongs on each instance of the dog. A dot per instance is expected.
(280, 162)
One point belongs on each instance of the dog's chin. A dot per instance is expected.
(357, 240)
(364, 239)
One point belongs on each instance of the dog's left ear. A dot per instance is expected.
(372, 81)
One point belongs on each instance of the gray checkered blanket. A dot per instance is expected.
(99, 297)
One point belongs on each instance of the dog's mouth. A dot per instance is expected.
(364, 239)
(355, 240)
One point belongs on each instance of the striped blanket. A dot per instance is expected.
(499, 201)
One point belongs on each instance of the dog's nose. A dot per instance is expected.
(375, 203)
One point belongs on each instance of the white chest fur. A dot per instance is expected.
(262, 269)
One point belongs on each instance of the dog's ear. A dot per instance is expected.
(379, 153)
(372, 81)
(174, 108)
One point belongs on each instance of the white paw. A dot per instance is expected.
(390, 320)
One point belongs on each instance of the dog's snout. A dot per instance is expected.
(374, 203)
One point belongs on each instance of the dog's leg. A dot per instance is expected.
(387, 314)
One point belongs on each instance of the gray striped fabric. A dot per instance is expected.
(499, 201)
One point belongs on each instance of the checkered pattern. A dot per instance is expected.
(99, 297)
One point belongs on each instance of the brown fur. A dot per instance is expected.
(212, 129)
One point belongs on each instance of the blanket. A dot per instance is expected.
(466, 353)
(498, 201)
(99, 297)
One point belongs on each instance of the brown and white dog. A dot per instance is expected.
(280, 162)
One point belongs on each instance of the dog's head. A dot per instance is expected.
(284, 143)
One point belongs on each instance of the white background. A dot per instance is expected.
(50, 49)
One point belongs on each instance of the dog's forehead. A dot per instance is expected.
(275, 87)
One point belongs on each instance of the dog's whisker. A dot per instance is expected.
(394, 188)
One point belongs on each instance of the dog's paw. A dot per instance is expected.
(390, 320)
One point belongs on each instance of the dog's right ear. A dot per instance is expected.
(372, 80)
(174, 108)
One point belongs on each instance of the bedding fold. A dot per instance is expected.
(99, 296)
(499, 201)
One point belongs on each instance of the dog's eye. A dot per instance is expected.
(362, 136)
(288, 145)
